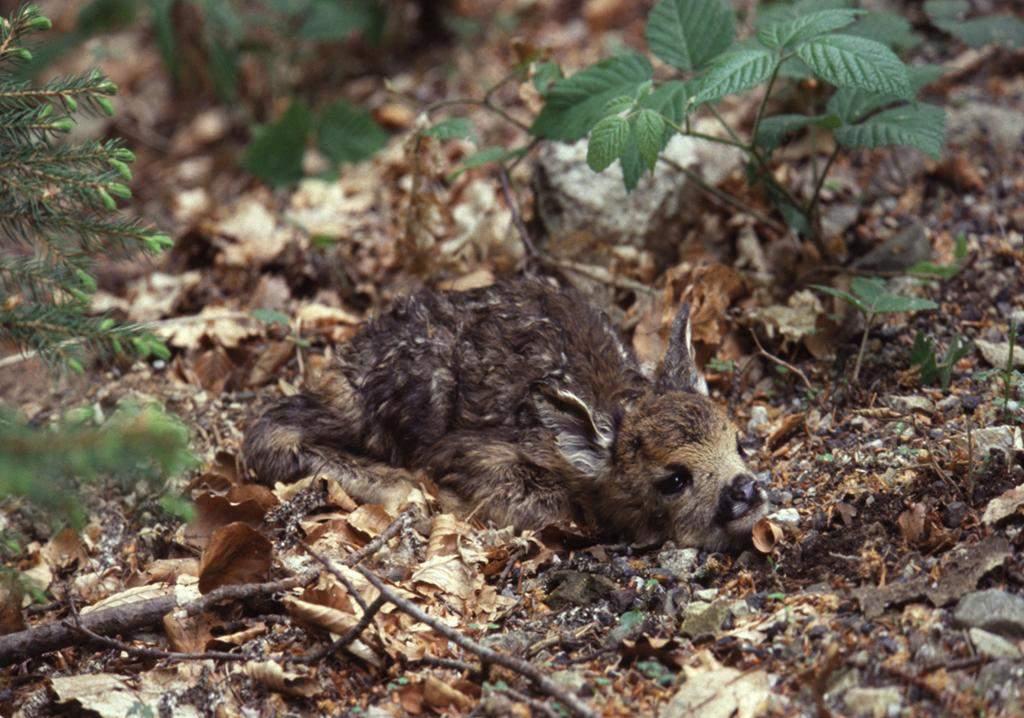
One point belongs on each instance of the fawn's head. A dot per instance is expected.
(670, 467)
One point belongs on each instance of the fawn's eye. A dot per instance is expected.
(678, 480)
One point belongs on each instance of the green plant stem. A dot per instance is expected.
(812, 204)
(482, 104)
(868, 319)
(764, 102)
(724, 197)
(1008, 371)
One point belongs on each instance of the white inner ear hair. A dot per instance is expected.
(696, 378)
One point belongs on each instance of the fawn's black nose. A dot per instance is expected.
(744, 488)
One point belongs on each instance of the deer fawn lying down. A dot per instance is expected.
(526, 408)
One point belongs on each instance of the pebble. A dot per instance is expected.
(989, 644)
(993, 610)
(787, 517)
(873, 702)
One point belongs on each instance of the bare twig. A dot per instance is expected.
(517, 665)
(781, 362)
(517, 217)
(393, 529)
(350, 635)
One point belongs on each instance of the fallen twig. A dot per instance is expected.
(781, 362)
(350, 635)
(517, 665)
(36, 641)
(517, 217)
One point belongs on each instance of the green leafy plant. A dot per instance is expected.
(949, 16)
(629, 116)
(930, 270)
(1012, 378)
(58, 205)
(47, 465)
(932, 370)
(869, 296)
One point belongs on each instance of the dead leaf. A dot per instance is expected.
(720, 692)
(438, 694)
(237, 553)
(253, 237)
(11, 595)
(64, 550)
(190, 634)
(784, 428)
(794, 321)
(276, 678)
(912, 524)
(766, 535)
(274, 356)
(997, 354)
(1004, 506)
(220, 325)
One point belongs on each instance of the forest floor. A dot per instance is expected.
(893, 580)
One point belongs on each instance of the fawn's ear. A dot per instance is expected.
(583, 436)
(678, 370)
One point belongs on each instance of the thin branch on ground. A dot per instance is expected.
(517, 217)
(781, 362)
(536, 705)
(517, 665)
(350, 635)
(375, 545)
(725, 197)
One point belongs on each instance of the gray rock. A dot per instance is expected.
(571, 198)
(758, 418)
(786, 517)
(1000, 680)
(901, 251)
(1003, 126)
(989, 644)
(680, 562)
(993, 610)
(873, 702)
(706, 594)
(706, 623)
(912, 403)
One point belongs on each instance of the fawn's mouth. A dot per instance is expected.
(741, 503)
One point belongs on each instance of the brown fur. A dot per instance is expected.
(525, 407)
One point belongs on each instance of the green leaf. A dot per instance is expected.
(275, 153)
(773, 130)
(454, 128)
(872, 292)
(849, 298)
(1005, 30)
(649, 128)
(546, 74)
(850, 61)
(574, 105)
(348, 133)
(735, 72)
(607, 142)
(486, 156)
(890, 29)
(337, 19)
(687, 34)
(619, 104)
(271, 316)
(670, 101)
(806, 27)
(919, 125)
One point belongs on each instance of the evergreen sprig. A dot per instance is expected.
(58, 208)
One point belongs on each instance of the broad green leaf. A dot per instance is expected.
(851, 104)
(574, 105)
(687, 34)
(849, 61)
(348, 133)
(546, 74)
(453, 128)
(846, 297)
(649, 129)
(773, 130)
(735, 72)
(607, 142)
(1005, 30)
(668, 100)
(918, 125)
(275, 153)
(806, 27)
(943, 11)
(271, 316)
(486, 156)
(332, 20)
(773, 13)
(872, 293)
(887, 28)
(619, 104)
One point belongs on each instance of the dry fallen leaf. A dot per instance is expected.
(276, 678)
(766, 535)
(912, 523)
(438, 694)
(237, 553)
